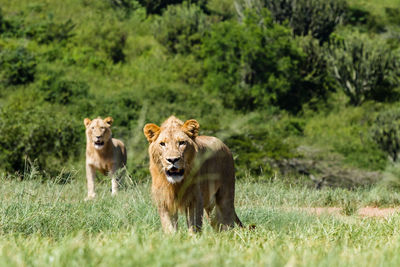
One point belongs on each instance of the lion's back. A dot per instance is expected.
(215, 156)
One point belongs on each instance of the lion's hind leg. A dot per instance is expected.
(117, 179)
(226, 216)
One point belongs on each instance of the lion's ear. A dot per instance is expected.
(109, 120)
(191, 128)
(87, 122)
(151, 131)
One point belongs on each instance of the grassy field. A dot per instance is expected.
(50, 224)
(80, 58)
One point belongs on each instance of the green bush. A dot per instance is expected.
(181, 28)
(62, 91)
(316, 17)
(17, 66)
(365, 68)
(359, 16)
(386, 132)
(126, 6)
(3, 23)
(37, 133)
(158, 6)
(393, 15)
(47, 31)
(260, 143)
(256, 63)
(8, 26)
(314, 81)
(391, 176)
(342, 135)
(108, 41)
(223, 9)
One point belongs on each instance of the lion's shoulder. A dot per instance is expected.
(210, 143)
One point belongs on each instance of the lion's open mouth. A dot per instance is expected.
(175, 172)
(99, 143)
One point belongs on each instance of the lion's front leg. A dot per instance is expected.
(116, 175)
(169, 221)
(90, 177)
(194, 216)
(114, 186)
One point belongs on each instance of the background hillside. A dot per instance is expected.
(309, 87)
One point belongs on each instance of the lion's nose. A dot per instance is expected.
(98, 137)
(173, 160)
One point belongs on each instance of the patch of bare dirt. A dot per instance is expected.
(377, 212)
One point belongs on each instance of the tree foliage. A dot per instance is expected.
(181, 28)
(17, 66)
(36, 133)
(315, 17)
(365, 69)
(255, 63)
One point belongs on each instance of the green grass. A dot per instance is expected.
(50, 224)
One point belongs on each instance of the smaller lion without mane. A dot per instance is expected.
(191, 174)
(103, 153)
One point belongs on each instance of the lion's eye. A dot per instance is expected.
(162, 144)
(181, 143)
(93, 128)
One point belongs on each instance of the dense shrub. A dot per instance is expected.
(158, 6)
(365, 69)
(3, 23)
(256, 63)
(342, 135)
(109, 42)
(36, 133)
(247, 63)
(17, 66)
(151, 6)
(259, 143)
(47, 31)
(126, 6)
(59, 90)
(316, 17)
(386, 132)
(314, 81)
(7, 25)
(223, 9)
(181, 28)
(393, 15)
(359, 16)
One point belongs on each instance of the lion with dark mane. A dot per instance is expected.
(191, 174)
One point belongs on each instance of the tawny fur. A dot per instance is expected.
(208, 180)
(108, 158)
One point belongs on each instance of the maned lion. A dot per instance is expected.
(103, 153)
(190, 173)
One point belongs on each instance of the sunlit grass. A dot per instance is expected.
(50, 224)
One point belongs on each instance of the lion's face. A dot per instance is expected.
(172, 147)
(98, 131)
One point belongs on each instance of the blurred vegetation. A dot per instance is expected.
(291, 86)
(386, 132)
(365, 68)
(315, 17)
